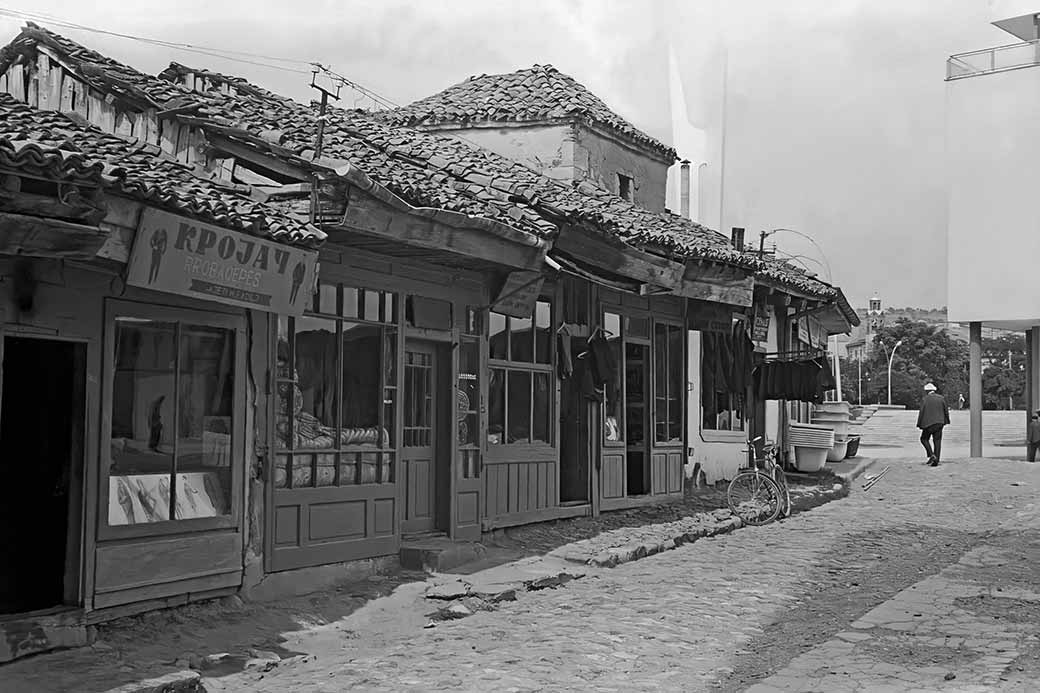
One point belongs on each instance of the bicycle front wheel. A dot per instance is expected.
(754, 498)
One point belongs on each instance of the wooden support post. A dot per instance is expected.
(975, 387)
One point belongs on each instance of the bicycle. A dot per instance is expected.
(757, 495)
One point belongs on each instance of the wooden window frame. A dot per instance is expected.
(115, 308)
(508, 365)
(337, 317)
(681, 419)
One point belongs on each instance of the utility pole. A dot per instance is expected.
(319, 139)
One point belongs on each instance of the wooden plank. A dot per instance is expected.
(542, 515)
(124, 126)
(22, 234)
(551, 490)
(619, 258)
(43, 78)
(118, 244)
(103, 112)
(81, 100)
(3, 83)
(56, 80)
(169, 131)
(32, 96)
(154, 561)
(123, 212)
(182, 145)
(736, 291)
(370, 216)
(244, 175)
(68, 90)
(187, 587)
(47, 206)
(260, 159)
(146, 127)
(16, 82)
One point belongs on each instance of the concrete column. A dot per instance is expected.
(1033, 367)
(684, 189)
(975, 387)
(1030, 392)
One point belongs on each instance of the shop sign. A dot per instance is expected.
(519, 294)
(816, 333)
(760, 326)
(704, 316)
(191, 258)
(803, 330)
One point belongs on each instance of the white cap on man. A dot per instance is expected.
(929, 388)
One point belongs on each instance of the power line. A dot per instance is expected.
(225, 54)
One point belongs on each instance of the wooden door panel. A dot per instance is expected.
(419, 451)
(612, 475)
(418, 484)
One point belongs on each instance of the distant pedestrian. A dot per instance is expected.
(934, 414)
(960, 401)
(1034, 436)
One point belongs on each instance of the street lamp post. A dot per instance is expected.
(890, 357)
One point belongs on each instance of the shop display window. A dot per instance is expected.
(337, 391)
(173, 403)
(521, 382)
(669, 388)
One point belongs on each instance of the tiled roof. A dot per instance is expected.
(34, 138)
(50, 162)
(789, 275)
(427, 170)
(540, 93)
(95, 68)
(430, 170)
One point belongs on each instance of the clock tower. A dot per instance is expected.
(875, 320)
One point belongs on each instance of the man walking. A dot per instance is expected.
(1034, 436)
(933, 415)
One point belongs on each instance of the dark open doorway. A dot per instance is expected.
(41, 464)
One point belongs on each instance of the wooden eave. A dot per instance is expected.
(619, 258)
(24, 234)
(718, 283)
(375, 212)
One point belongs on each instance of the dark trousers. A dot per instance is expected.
(1032, 448)
(934, 433)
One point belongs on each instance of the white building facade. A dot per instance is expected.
(993, 171)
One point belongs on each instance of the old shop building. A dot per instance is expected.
(486, 346)
(552, 124)
(128, 391)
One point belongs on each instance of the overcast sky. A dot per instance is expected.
(835, 108)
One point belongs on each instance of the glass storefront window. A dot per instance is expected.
(336, 402)
(172, 422)
(668, 383)
(521, 388)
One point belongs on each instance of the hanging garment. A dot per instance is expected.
(563, 353)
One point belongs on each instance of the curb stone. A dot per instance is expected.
(176, 682)
(653, 539)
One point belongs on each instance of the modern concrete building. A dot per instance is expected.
(993, 165)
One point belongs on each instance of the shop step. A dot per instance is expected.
(437, 553)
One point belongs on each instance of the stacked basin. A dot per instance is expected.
(835, 415)
(811, 444)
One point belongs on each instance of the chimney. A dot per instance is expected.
(684, 189)
(736, 237)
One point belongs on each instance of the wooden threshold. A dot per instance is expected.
(533, 516)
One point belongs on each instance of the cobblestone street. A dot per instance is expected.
(922, 583)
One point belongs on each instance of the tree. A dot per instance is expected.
(927, 354)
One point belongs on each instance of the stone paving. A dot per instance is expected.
(694, 618)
